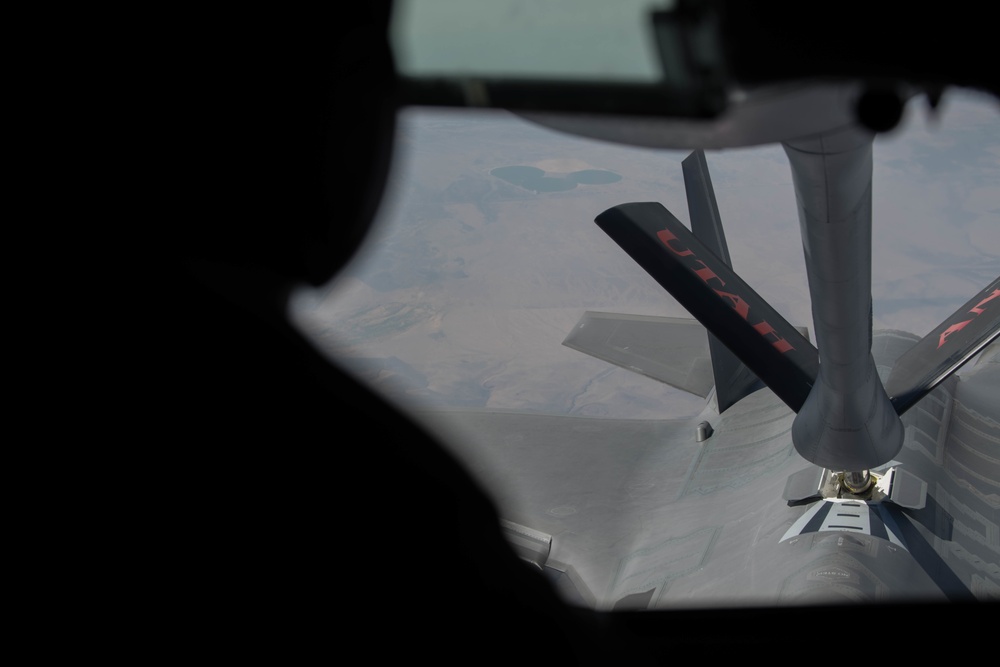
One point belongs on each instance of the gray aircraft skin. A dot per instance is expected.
(753, 503)
(641, 514)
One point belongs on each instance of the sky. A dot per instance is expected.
(467, 284)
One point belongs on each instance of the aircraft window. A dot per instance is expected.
(485, 256)
(565, 39)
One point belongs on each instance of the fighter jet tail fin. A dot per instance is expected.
(770, 347)
(733, 380)
(945, 349)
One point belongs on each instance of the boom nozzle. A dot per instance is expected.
(857, 482)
